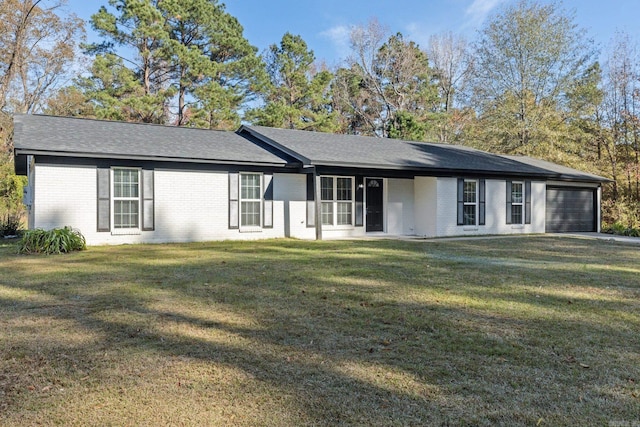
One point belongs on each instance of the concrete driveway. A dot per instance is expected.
(604, 236)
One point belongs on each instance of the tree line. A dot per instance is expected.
(530, 83)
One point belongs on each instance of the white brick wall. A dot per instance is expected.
(193, 206)
(495, 210)
(292, 190)
(425, 194)
(65, 196)
(399, 210)
(189, 206)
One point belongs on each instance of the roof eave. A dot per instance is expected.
(432, 170)
(573, 178)
(25, 152)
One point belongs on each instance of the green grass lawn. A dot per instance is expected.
(515, 331)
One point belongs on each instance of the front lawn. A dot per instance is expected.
(514, 331)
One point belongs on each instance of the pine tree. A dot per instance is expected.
(297, 96)
(190, 59)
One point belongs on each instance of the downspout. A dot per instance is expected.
(318, 203)
(599, 209)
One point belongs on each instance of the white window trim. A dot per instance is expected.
(334, 203)
(521, 203)
(250, 228)
(131, 230)
(476, 204)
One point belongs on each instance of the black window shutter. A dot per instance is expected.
(268, 200)
(481, 199)
(359, 201)
(234, 207)
(104, 200)
(148, 216)
(460, 201)
(311, 206)
(509, 201)
(527, 202)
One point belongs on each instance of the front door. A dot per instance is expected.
(375, 220)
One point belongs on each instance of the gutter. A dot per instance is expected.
(18, 152)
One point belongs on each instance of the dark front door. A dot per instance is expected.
(374, 204)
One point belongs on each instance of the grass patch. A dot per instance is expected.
(520, 331)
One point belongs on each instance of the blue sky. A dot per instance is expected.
(325, 24)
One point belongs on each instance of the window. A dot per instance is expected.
(336, 194)
(517, 202)
(470, 200)
(326, 191)
(250, 199)
(345, 198)
(126, 198)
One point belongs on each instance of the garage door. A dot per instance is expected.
(570, 209)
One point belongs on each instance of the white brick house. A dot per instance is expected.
(132, 183)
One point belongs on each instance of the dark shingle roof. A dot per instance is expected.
(564, 173)
(65, 136)
(324, 149)
(263, 146)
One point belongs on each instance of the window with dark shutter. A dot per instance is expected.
(126, 192)
(250, 201)
(469, 198)
(516, 193)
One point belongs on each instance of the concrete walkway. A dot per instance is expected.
(604, 236)
(593, 236)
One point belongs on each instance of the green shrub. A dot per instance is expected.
(56, 241)
(633, 232)
(618, 228)
(621, 230)
(624, 212)
(10, 225)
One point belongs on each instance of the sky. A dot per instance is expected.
(325, 25)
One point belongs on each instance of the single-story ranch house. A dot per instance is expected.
(130, 183)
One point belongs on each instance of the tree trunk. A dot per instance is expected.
(16, 50)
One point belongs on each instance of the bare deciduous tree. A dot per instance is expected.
(387, 86)
(37, 50)
(620, 116)
(452, 64)
(527, 59)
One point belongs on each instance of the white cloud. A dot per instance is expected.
(419, 33)
(479, 9)
(339, 38)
